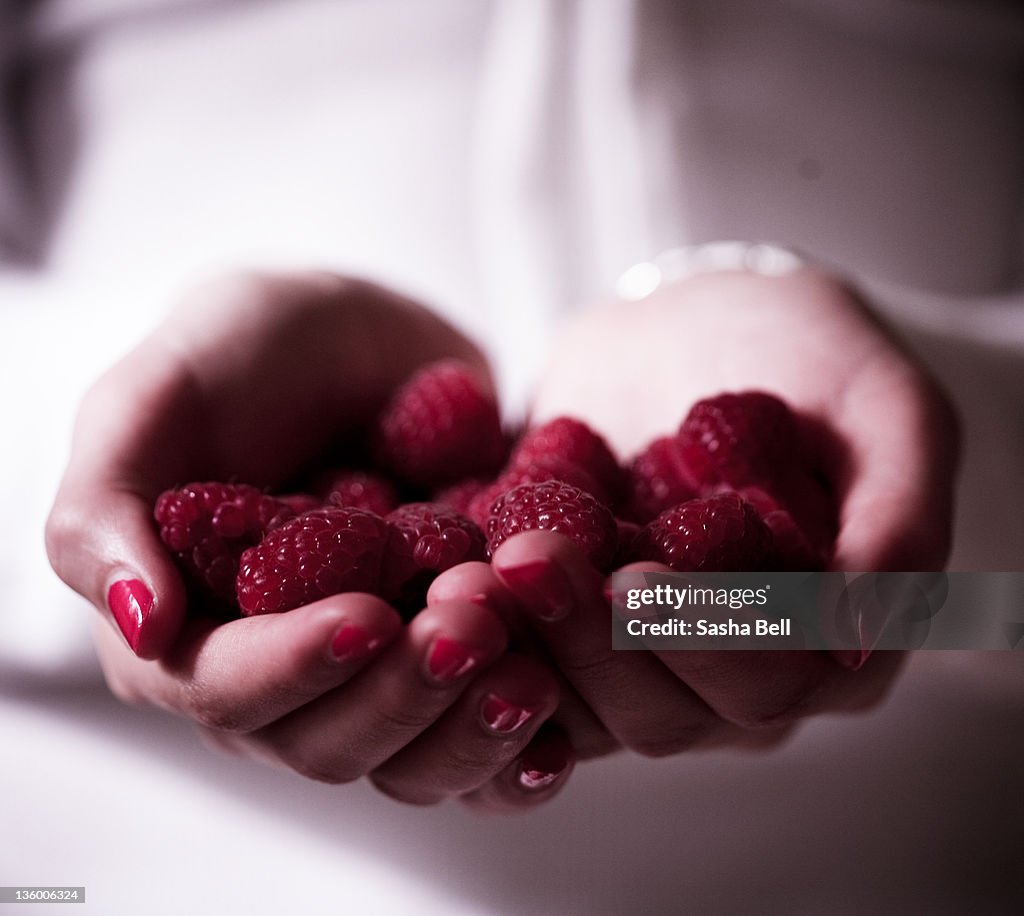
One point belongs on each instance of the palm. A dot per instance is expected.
(633, 370)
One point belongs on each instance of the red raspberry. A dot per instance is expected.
(479, 508)
(208, 525)
(321, 553)
(460, 495)
(441, 427)
(559, 507)
(626, 533)
(720, 534)
(568, 441)
(426, 539)
(658, 480)
(360, 490)
(301, 502)
(739, 439)
(791, 548)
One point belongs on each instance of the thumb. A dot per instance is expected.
(102, 542)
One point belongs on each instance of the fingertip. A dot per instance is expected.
(366, 625)
(534, 546)
(144, 594)
(547, 574)
(535, 777)
(465, 581)
(518, 690)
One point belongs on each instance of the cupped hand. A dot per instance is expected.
(254, 378)
(632, 371)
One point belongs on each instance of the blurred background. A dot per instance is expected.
(506, 161)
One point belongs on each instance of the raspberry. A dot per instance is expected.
(739, 439)
(426, 539)
(657, 480)
(321, 553)
(568, 441)
(626, 533)
(440, 427)
(360, 490)
(301, 502)
(790, 548)
(208, 525)
(554, 469)
(555, 506)
(460, 495)
(723, 533)
(812, 506)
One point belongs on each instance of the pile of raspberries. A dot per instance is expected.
(732, 489)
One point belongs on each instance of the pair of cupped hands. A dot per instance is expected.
(507, 676)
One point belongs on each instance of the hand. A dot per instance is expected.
(253, 379)
(632, 371)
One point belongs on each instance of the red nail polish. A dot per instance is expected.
(352, 644)
(130, 602)
(542, 587)
(851, 658)
(449, 660)
(503, 717)
(541, 766)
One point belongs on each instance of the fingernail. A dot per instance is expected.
(851, 658)
(352, 644)
(540, 767)
(449, 660)
(542, 587)
(503, 717)
(130, 602)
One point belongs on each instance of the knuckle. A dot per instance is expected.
(769, 709)
(400, 792)
(214, 713)
(123, 691)
(328, 771)
(462, 761)
(64, 526)
(397, 719)
(590, 668)
(668, 741)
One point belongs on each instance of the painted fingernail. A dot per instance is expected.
(503, 717)
(130, 602)
(542, 766)
(542, 587)
(352, 644)
(448, 660)
(851, 658)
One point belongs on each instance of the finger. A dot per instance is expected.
(477, 582)
(351, 731)
(101, 542)
(487, 728)
(532, 779)
(771, 689)
(242, 675)
(643, 704)
(754, 689)
(897, 512)
(100, 534)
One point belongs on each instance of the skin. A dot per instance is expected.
(891, 460)
(252, 377)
